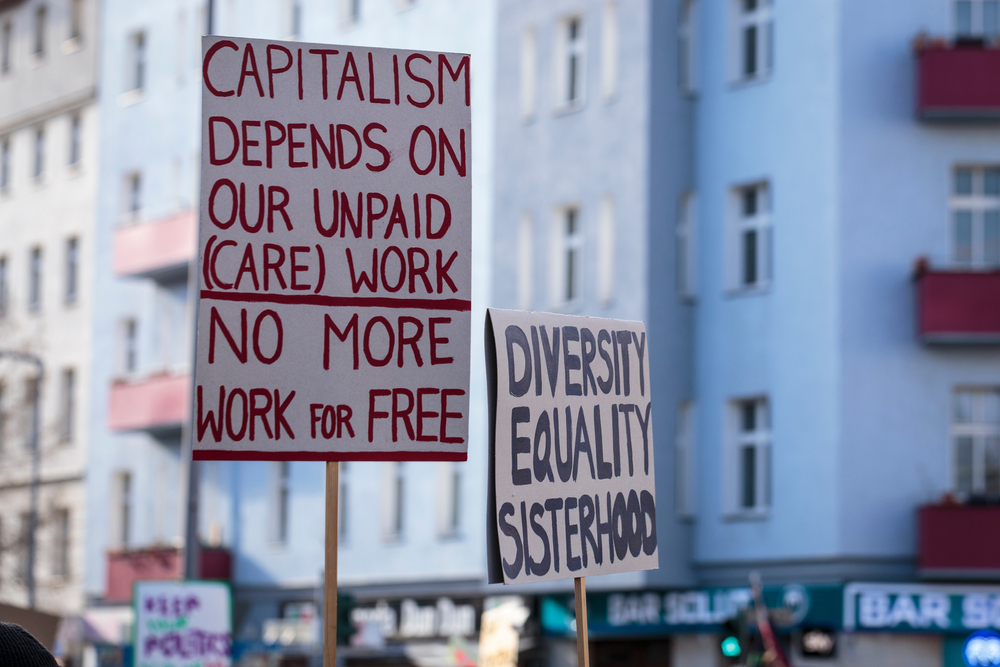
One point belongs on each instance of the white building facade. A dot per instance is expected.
(48, 184)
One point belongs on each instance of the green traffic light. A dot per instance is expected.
(730, 647)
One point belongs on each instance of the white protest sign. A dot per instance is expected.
(334, 253)
(183, 624)
(572, 490)
(499, 634)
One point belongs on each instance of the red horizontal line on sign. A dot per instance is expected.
(247, 455)
(459, 305)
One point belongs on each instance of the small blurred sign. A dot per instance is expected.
(498, 635)
(183, 624)
(982, 648)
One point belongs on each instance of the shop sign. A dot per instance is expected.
(921, 608)
(409, 619)
(652, 612)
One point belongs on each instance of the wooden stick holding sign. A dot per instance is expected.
(305, 350)
(582, 641)
(330, 568)
(571, 471)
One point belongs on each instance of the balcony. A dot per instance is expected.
(959, 81)
(959, 541)
(160, 249)
(958, 307)
(160, 564)
(156, 403)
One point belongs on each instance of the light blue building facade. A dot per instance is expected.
(757, 180)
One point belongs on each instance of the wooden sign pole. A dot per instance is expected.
(330, 573)
(582, 641)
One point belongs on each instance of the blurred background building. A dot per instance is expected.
(49, 152)
(801, 199)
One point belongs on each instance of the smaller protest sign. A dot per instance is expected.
(183, 624)
(571, 473)
(499, 634)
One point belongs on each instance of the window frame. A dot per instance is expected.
(4, 286)
(61, 543)
(528, 81)
(571, 64)
(121, 517)
(6, 153)
(760, 441)
(525, 261)
(978, 204)
(567, 279)
(281, 474)
(76, 14)
(393, 502)
(762, 224)
(687, 47)
(977, 20)
(39, 28)
(979, 429)
(38, 155)
(610, 55)
(36, 270)
(67, 404)
(685, 465)
(135, 75)
(71, 278)
(686, 246)
(606, 251)
(450, 484)
(6, 46)
(761, 19)
(75, 140)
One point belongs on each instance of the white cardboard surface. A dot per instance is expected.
(373, 304)
(183, 624)
(572, 397)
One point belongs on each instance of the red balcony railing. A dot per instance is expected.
(960, 540)
(159, 564)
(156, 248)
(157, 402)
(958, 306)
(957, 81)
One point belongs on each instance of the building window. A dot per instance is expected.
(450, 499)
(529, 67)
(128, 346)
(609, 51)
(74, 139)
(525, 261)
(137, 58)
(975, 433)
(121, 510)
(752, 234)
(67, 406)
(281, 496)
(393, 500)
(61, 544)
(6, 40)
(975, 209)
(76, 19)
(295, 20)
(38, 164)
(606, 251)
(72, 270)
(351, 11)
(35, 280)
(31, 402)
(687, 40)
(754, 39)
(686, 246)
(132, 204)
(23, 538)
(3, 425)
(570, 63)
(343, 501)
(752, 455)
(684, 461)
(4, 164)
(977, 18)
(38, 43)
(4, 287)
(568, 251)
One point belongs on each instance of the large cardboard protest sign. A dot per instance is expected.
(334, 253)
(183, 624)
(572, 490)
